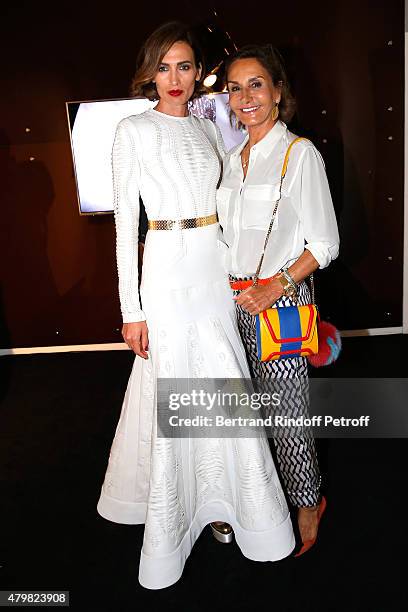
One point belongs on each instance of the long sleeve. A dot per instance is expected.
(126, 175)
(317, 212)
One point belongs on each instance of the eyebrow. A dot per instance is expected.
(249, 80)
(178, 63)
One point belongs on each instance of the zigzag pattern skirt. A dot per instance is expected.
(295, 453)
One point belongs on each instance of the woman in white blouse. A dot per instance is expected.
(304, 237)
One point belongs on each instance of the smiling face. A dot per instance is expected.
(175, 78)
(252, 94)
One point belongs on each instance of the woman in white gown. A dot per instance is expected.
(187, 329)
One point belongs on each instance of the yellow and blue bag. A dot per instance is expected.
(288, 331)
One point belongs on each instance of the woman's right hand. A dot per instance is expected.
(136, 336)
(259, 298)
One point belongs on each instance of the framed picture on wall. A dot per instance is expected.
(92, 127)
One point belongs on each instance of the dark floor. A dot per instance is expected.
(58, 417)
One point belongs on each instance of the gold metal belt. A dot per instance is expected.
(179, 224)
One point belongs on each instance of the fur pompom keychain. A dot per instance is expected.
(329, 345)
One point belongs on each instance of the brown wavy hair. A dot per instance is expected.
(272, 61)
(152, 53)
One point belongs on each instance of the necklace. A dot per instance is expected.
(246, 162)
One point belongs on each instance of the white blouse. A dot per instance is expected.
(305, 216)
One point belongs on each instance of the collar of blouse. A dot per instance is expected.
(265, 145)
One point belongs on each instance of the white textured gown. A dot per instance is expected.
(177, 486)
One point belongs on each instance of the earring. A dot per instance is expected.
(275, 112)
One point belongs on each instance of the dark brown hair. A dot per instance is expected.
(152, 53)
(272, 61)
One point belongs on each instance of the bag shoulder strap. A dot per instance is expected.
(283, 174)
(288, 150)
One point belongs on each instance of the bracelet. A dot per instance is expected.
(290, 280)
(288, 289)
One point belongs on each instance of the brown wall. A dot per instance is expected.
(58, 271)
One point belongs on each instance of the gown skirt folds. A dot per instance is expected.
(176, 486)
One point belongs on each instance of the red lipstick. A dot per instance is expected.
(175, 92)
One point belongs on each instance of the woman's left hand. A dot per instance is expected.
(256, 299)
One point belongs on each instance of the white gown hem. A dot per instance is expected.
(118, 511)
(268, 545)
